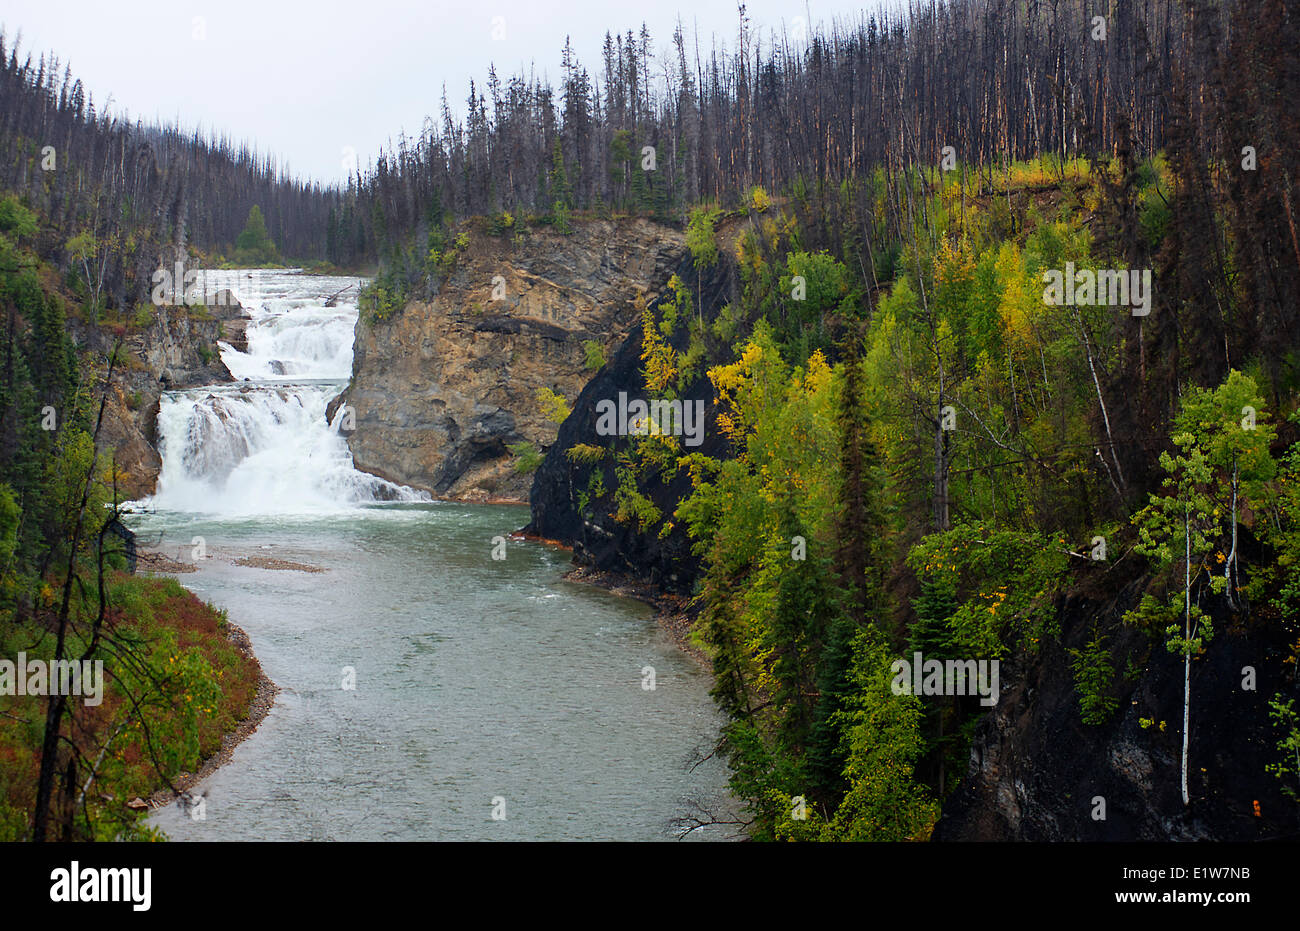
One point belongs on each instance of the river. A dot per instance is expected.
(488, 698)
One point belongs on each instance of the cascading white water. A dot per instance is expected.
(264, 444)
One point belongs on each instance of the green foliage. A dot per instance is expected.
(174, 686)
(1280, 580)
(585, 454)
(1221, 459)
(781, 423)
(594, 491)
(1094, 675)
(82, 247)
(10, 514)
(659, 370)
(501, 224)
(85, 252)
(560, 217)
(1282, 712)
(778, 626)
(15, 219)
(930, 634)
(813, 286)
(631, 505)
(970, 317)
(620, 154)
(553, 406)
(560, 188)
(1155, 213)
(1006, 584)
(700, 237)
(593, 355)
(383, 297)
(825, 283)
(882, 732)
(253, 246)
(945, 313)
(527, 457)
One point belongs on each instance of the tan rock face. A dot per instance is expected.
(164, 355)
(442, 386)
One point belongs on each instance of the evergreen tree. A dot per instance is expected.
(559, 181)
(253, 245)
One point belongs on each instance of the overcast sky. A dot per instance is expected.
(306, 81)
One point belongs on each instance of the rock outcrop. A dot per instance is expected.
(440, 388)
(563, 505)
(1038, 773)
(176, 349)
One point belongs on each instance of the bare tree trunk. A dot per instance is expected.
(1101, 401)
(58, 704)
(940, 472)
(1230, 566)
(1187, 645)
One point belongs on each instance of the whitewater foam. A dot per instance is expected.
(265, 445)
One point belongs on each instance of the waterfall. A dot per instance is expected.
(264, 445)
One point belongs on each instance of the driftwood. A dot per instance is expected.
(333, 298)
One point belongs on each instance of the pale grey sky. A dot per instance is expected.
(306, 81)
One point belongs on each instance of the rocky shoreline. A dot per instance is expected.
(257, 712)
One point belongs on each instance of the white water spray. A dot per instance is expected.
(264, 445)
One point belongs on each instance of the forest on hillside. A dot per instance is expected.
(994, 80)
(120, 197)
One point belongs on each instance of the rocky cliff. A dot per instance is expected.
(599, 540)
(1036, 770)
(441, 387)
(176, 349)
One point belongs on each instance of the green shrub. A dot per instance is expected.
(594, 355)
(700, 238)
(1093, 675)
(584, 454)
(382, 298)
(554, 407)
(502, 223)
(16, 219)
(527, 458)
